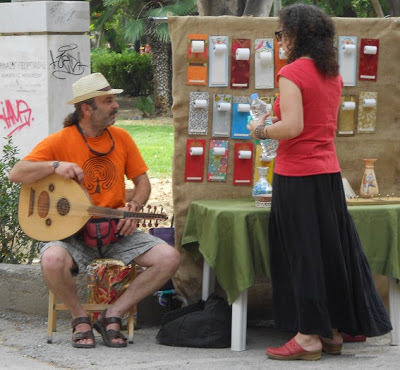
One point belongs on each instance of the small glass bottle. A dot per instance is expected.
(369, 186)
(262, 190)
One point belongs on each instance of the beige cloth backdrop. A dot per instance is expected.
(383, 145)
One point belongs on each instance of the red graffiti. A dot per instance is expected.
(17, 117)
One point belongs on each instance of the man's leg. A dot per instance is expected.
(161, 263)
(57, 265)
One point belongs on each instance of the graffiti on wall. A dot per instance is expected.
(66, 61)
(61, 14)
(14, 117)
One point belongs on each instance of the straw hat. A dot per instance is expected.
(91, 86)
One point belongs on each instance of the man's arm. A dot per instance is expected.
(142, 191)
(27, 172)
(140, 196)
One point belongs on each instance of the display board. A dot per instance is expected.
(371, 128)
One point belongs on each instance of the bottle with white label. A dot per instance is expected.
(257, 109)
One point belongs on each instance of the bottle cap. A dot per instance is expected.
(254, 96)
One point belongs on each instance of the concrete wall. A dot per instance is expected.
(23, 289)
(43, 51)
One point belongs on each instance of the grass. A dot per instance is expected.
(155, 140)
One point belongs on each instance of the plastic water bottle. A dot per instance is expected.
(257, 109)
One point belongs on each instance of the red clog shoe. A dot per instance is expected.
(356, 338)
(292, 351)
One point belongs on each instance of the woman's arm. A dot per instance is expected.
(291, 105)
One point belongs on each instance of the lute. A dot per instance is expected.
(55, 208)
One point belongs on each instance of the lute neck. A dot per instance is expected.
(117, 213)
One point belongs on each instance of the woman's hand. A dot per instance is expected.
(253, 124)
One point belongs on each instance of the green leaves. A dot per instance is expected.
(131, 17)
(15, 245)
(145, 105)
(128, 70)
(135, 29)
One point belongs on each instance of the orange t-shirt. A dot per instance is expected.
(104, 175)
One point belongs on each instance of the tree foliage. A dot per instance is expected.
(131, 18)
(128, 70)
(135, 21)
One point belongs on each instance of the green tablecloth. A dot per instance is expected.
(232, 236)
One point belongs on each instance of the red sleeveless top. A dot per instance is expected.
(313, 151)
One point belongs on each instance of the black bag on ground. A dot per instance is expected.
(205, 324)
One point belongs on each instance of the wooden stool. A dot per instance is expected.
(90, 307)
(55, 306)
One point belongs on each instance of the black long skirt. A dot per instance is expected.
(321, 278)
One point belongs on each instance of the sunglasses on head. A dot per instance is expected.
(278, 35)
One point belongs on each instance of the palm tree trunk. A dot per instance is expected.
(377, 8)
(257, 8)
(160, 58)
(277, 7)
(99, 37)
(394, 7)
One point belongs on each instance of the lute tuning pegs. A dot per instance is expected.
(147, 219)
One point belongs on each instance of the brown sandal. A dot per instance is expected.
(82, 335)
(101, 326)
(332, 349)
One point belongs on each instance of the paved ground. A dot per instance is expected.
(23, 344)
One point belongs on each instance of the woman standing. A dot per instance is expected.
(322, 283)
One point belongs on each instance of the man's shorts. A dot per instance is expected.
(126, 249)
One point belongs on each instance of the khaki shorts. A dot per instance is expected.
(126, 249)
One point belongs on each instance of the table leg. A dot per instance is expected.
(208, 284)
(239, 323)
(239, 309)
(394, 308)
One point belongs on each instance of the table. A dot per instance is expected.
(232, 237)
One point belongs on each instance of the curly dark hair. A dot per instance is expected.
(74, 117)
(311, 32)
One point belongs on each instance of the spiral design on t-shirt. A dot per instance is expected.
(100, 174)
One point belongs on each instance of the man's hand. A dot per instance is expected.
(70, 171)
(127, 226)
(27, 172)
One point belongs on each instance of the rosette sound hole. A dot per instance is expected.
(63, 206)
